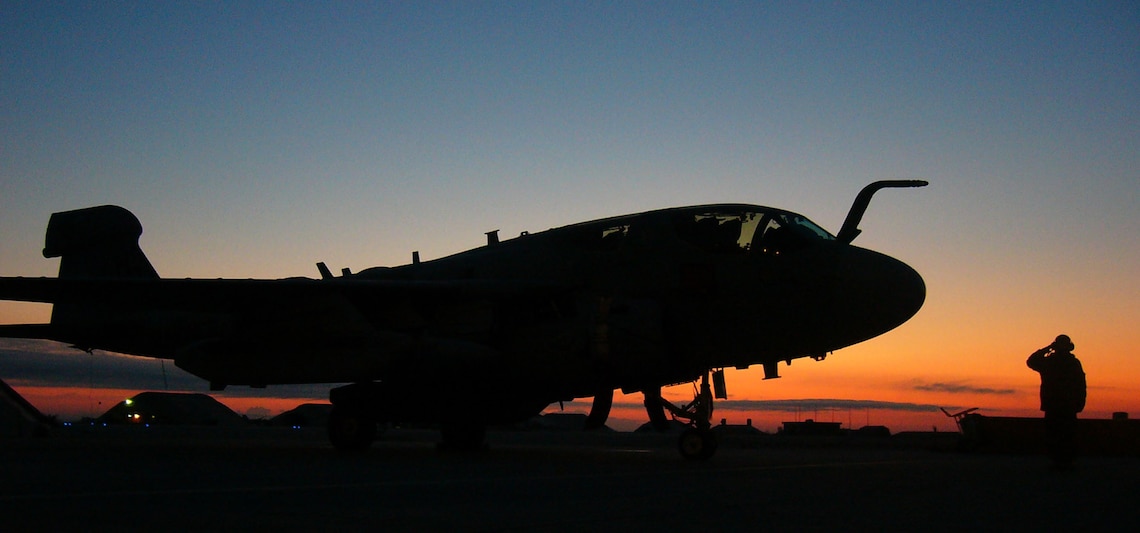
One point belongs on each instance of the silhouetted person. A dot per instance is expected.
(1062, 397)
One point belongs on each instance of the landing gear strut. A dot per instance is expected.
(698, 441)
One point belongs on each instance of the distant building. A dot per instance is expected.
(812, 428)
(724, 428)
(304, 415)
(169, 408)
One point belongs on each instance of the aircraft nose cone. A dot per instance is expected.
(874, 294)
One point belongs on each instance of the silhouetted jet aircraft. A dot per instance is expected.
(497, 333)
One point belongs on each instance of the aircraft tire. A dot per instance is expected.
(697, 444)
(351, 430)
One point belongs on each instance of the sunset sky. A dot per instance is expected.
(255, 139)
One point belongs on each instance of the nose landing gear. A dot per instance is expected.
(698, 441)
(351, 429)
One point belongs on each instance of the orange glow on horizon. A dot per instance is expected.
(627, 415)
(937, 359)
(75, 403)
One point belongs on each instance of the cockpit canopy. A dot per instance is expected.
(771, 232)
(720, 229)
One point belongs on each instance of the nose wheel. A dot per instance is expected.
(351, 429)
(697, 444)
(698, 441)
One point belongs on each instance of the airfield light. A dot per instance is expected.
(128, 401)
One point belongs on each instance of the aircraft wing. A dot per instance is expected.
(190, 291)
(295, 330)
(293, 307)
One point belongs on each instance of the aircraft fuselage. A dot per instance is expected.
(632, 302)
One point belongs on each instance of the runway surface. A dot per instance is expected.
(264, 479)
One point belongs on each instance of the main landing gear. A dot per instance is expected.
(352, 421)
(697, 441)
(351, 429)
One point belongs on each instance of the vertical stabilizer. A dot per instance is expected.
(97, 242)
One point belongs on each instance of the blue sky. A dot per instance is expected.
(253, 139)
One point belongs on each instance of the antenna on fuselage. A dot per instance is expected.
(324, 270)
(327, 274)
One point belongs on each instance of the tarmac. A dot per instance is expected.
(282, 479)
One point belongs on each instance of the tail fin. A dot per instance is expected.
(97, 242)
(95, 245)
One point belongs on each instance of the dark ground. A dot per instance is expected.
(208, 479)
